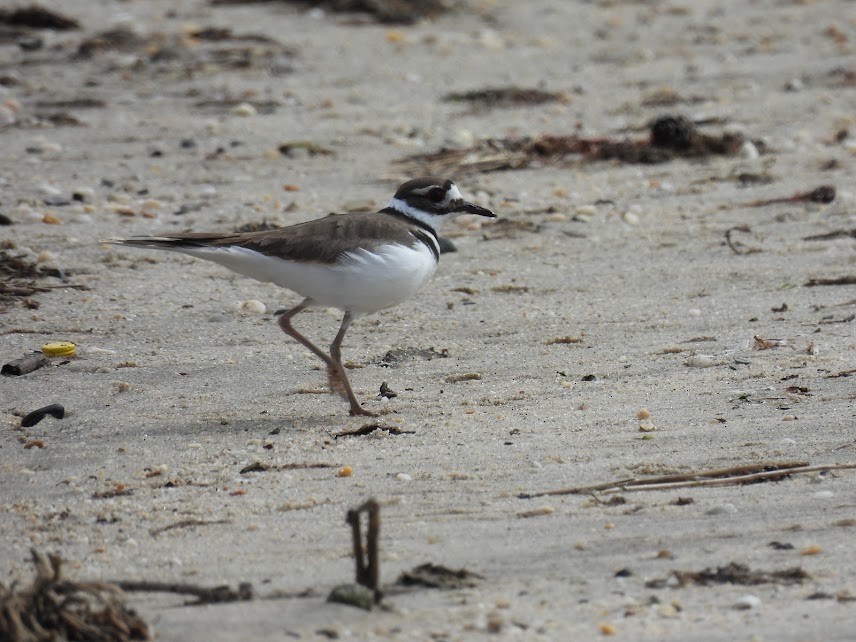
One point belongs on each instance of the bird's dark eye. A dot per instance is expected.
(436, 195)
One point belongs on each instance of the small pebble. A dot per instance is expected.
(643, 413)
(244, 109)
(207, 191)
(701, 361)
(725, 509)
(647, 426)
(749, 151)
(812, 549)
(151, 205)
(250, 307)
(537, 512)
(464, 138)
(631, 218)
(403, 477)
(83, 194)
(345, 471)
(747, 602)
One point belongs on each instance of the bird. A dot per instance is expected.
(360, 262)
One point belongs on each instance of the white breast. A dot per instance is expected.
(360, 281)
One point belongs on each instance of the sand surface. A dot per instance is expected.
(175, 390)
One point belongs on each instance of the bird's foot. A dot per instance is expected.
(358, 411)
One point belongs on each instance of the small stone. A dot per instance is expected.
(251, 307)
(647, 426)
(151, 205)
(631, 218)
(701, 361)
(83, 194)
(464, 138)
(207, 191)
(494, 623)
(403, 477)
(537, 512)
(746, 602)
(353, 595)
(725, 509)
(643, 413)
(749, 151)
(244, 109)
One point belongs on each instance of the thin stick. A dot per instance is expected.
(186, 523)
(716, 477)
(735, 481)
(203, 594)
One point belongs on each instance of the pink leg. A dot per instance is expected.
(336, 375)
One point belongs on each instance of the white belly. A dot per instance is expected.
(361, 281)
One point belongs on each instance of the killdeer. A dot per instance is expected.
(359, 263)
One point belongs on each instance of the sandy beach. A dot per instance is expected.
(622, 321)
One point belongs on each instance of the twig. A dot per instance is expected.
(716, 477)
(370, 428)
(850, 279)
(185, 523)
(736, 247)
(821, 194)
(203, 594)
(740, 479)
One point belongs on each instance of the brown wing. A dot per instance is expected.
(325, 239)
(322, 240)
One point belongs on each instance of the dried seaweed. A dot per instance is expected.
(670, 138)
(198, 49)
(732, 573)
(54, 608)
(438, 576)
(388, 11)
(18, 276)
(492, 97)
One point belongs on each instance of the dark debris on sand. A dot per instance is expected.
(55, 608)
(670, 137)
(387, 11)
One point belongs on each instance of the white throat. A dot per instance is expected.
(431, 220)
